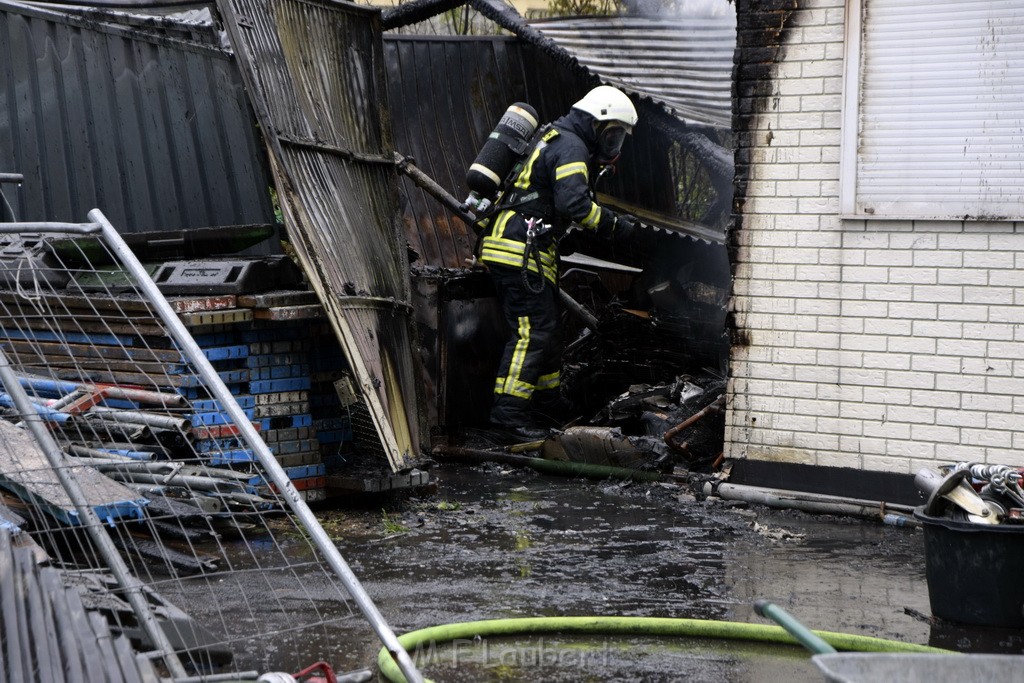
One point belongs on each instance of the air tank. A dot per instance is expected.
(506, 144)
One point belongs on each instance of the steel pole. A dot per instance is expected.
(298, 506)
(53, 228)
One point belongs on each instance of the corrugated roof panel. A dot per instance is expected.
(315, 74)
(685, 64)
(156, 132)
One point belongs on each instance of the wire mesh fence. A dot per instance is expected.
(215, 539)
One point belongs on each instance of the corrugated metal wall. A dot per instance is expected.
(684, 62)
(447, 94)
(315, 74)
(156, 132)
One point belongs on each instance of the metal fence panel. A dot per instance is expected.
(141, 474)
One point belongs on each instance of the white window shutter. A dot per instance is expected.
(941, 110)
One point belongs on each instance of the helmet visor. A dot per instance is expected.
(610, 141)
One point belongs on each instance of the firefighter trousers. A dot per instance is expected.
(530, 369)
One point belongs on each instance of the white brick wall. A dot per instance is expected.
(880, 345)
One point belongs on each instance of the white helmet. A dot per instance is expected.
(606, 103)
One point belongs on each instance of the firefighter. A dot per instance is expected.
(551, 192)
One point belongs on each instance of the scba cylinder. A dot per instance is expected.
(505, 145)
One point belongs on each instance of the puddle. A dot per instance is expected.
(495, 542)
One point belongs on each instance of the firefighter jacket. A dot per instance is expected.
(553, 186)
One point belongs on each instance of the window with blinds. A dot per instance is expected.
(933, 120)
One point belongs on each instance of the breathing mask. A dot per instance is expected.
(610, 137)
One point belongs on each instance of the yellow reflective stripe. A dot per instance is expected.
(499, 245)
(569, 169)
(519, 389)
(551, 381)
(517, 262)
(523, 181)
(508, 252)
(593, 218)
(515, 368)
(522, 390)
(502, 221)
(505, 243)
(502, 259)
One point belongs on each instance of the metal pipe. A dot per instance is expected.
(188, 481)
(712, 407)
(50, 414)
(578, 309)
(114, 467)
(809, 502)
(65, 389)
(93, 526)
(148, 419)
(214, 678)
(811, 641)
(158, 398)
(16, 178)
(53, 228)
(86, 452)
(287, 489)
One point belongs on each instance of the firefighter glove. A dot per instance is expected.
(624, 229)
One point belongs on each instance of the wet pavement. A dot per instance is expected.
(498, 542)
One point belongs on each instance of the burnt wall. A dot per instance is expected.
(760, 35)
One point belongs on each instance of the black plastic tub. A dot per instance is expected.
(975, 571)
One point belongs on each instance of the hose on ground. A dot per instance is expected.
(631, 626)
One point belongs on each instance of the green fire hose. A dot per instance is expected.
(632, 626)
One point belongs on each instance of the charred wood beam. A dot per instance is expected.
(126, 4)
(502, 14)
(716, 158)
(579, 310)
(717, 406)
(508, 18)
(416, 11)
(406, 166)
(347, 154)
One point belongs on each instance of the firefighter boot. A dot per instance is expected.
(551, 408)
(512, 415)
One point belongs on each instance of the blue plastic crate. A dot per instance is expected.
(273, 386)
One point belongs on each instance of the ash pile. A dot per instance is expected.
(650, 377)
(658, 427)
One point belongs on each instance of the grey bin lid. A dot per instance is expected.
(862, 667)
